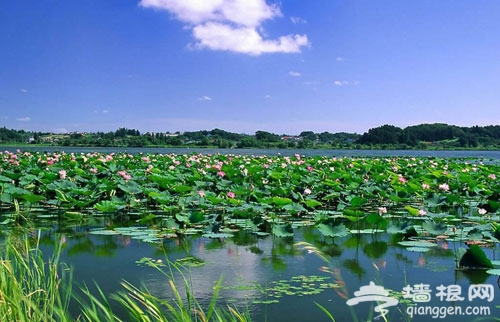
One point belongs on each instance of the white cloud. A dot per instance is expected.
(23, 119)
(205, 98)
(241, 12)
(230, 25)
(298, 20)
(294, 74)
(339, 59)
(245, 40)
(103, 111)
(23, 90)
(346, 83)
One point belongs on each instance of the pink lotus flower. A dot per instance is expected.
(425, 186)
(482, 211)
(492, 176)
(382, 210)
(231, 194)
(62, 174)
(307, 191)
(221, 174)
(93, 170)
(444, 187)
(309, 168)
(201, 193)
(422, 212)
(402, 179)
(124, 175)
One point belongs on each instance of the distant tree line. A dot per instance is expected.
(429, 135)
(423, 136)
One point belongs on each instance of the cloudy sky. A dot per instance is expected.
(246, 65)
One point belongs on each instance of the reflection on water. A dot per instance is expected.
(253, 268)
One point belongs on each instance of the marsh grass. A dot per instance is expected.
(33, 288)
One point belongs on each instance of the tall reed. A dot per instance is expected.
(33, 288)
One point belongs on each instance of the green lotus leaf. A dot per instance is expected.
(339, 230)
(5, 179)
(280, 201)
(418, 249)
(414, 243)
(413, 211)
(182, 188)
(16, 192)
(131, 187)
(217, 235)
(294, 208)
(313, 203)
(104, 232)
(357, 201)
(399, 227)
(33, 198)
(494, 271)
(190, 261)
(284, 230)
(367, 231)
(374, 219)
(108, 206)
(434, 228)
(475, 257)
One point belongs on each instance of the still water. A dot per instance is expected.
(256, 269)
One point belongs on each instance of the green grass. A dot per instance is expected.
(33, 288)
(30, 288)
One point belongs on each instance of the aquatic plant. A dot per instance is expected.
(170, 195)
(33, 288)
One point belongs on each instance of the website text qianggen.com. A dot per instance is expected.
(442, 312)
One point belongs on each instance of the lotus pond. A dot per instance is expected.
(292, 237)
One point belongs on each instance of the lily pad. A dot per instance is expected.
(104, 232)
(412, 243)
(494, 271)
(217, 235)
(418, 249)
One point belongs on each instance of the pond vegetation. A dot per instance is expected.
(417, 202)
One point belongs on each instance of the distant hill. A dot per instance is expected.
(433, 134)
(423, 136)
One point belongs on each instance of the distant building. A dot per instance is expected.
(290, 138)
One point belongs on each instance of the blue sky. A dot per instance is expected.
(246, 65)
